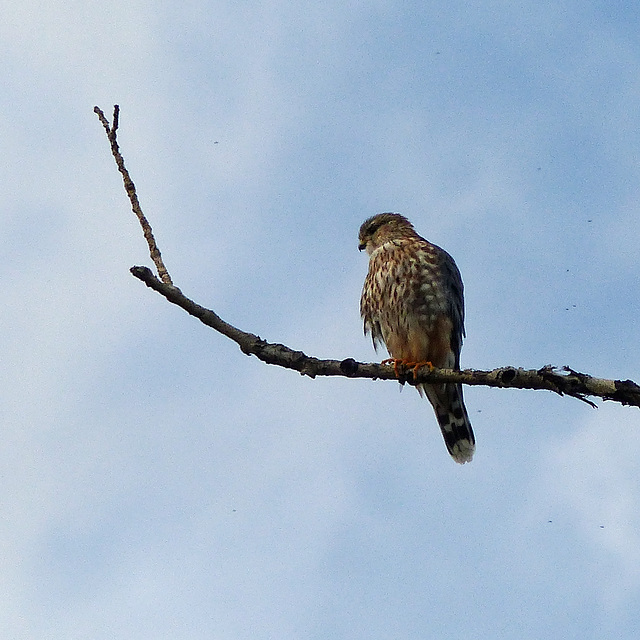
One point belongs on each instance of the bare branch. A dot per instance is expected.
(563, 381)
(130, 188)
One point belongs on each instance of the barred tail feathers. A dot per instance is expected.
(448, 403)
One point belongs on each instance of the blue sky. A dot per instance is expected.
(156, 483)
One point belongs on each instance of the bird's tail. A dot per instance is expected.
(448, 403)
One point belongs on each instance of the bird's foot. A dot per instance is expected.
(416, 365)
(399, 363)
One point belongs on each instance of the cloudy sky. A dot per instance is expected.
(156, 482)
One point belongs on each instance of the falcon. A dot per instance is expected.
(412, 301)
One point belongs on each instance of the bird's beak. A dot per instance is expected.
(362, 246)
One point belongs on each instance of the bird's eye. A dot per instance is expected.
(374, 226)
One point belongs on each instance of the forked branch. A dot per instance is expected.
(563, 380)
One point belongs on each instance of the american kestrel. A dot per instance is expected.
(412, 301)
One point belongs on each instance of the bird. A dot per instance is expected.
(413, 302)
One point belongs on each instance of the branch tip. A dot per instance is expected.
(130, 188)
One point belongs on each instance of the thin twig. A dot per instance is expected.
(130, 188)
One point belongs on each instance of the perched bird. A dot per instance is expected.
(412, 301)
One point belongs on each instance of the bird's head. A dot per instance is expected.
(381, 228)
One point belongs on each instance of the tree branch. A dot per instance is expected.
(563, 381)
